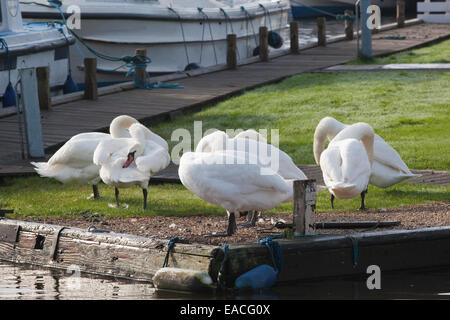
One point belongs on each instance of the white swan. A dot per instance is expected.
(228, 179)
(256, 144)
(73, 161)
(346, 163)
(126, 162)
(388, 167)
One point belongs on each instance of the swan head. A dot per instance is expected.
(212, 142)
(134, 152)
(328, 127)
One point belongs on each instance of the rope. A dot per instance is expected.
(275, 250)
(267, 15)
(221, 276)
(206, 19)
(355, 250)
(227, 19)
(170, 245)
(247, 19)
(5, 46)
(182, 33)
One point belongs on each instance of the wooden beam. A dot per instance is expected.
(304, 206)
(400, 13)
(43, 83)
(263, 44)
(321, 31)
(293, 27)
(348, 25)
(141, 71)
(231, 51)
(90, 79)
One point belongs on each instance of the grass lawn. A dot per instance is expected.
(45, 198)
(410, 110)
(438, 53)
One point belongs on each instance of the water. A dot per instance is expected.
(20, 282)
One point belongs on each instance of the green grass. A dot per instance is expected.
(44, 198)
(438, 53)
(410, 110)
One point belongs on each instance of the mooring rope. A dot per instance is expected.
(182, 33)
(227, 19)
(355, 250)
(170, 245)
(206, 19)
(222, 271)
(274, 250)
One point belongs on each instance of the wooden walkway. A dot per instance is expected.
(153, 106)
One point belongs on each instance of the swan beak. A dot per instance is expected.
(130, 159)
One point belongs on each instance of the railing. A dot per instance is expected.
(434, 12)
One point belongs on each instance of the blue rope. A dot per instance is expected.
(170, 245)
(206, 19)
(275, 251)
(355, 250)
(221, 275)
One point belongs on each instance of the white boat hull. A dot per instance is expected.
(171, 43)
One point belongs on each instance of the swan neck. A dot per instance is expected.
(328, 127)
(120, 125)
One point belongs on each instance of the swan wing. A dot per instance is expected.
(388, 156)
(78, 151)
(154, 159)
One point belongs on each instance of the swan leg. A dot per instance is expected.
(231, 229)
(332, 201)
(144, 192)
(95, 190)
(116, 192)
(251, 220)
(363, 195)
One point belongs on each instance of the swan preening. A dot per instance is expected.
(73, 161)
(126, 162)
(227, 178)
(240, 174)
(348, 162)
(388, 167)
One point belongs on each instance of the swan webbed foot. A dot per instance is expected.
(251, 220)
(116, 192)
(332, 201)
(95, 191)
(145, 193)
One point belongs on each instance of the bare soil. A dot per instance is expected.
(193, 228)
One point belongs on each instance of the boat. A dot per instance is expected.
(30, 45)
(316, 8)
(178, 35)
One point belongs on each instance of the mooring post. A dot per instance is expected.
(231, 51)
(31, 112)
(304, 206)
(400, 13)
(90, 79)
(366, 33)
(43, 83)
(293, 27)
(321, 31)
(348, 25)
(263, 44)
(141, 70)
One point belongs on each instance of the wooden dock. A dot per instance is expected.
(203, 90)
(139, 258)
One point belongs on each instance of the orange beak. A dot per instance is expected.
(130, 159)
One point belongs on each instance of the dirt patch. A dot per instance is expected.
(192, 228)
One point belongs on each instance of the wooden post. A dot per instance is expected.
(348, 25)
(31, 112)
(141, 72)
(263, 44)
(321, 31)
(400, 13)
(304, 206)
(90, 79)
(293, 26)
(43, 83)
(231, 51)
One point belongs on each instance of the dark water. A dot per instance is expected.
(19, 282)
